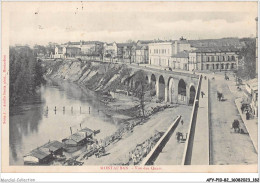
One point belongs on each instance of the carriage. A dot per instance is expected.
(220, 96)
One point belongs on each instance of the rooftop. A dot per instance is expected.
(215, 49)
(45, 150)
(183, 54)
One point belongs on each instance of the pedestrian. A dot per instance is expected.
(202, 94)
(205, 77)
(247, 115)
(182, 122)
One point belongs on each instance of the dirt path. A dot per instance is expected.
(227, 147)
(119, 153)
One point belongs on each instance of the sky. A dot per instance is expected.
(40, 23)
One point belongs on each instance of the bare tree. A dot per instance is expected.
(142, 86)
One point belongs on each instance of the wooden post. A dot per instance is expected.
(70, 130)
(89, 110)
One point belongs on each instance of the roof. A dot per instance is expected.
(72, 47)
(77, 137)
(183, 54)
(162, 42)
(91, 42)
(145, 41)
(53, 145)
(141, 47)
(253, 84)
(125, 44)
(45, 150)
(88, 131)
(38, 153)
(215, 49)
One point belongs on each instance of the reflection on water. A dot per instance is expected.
(31, 125)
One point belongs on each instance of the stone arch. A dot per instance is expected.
(161, 88)
(153, 85)
(182, 91)
(192, 94)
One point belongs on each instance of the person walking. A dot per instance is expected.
(182, 122)
(202, 94)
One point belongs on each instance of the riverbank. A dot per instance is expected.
(123, 108)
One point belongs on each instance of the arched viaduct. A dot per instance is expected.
(171, 86)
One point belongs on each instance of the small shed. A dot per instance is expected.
(75, 139)
(44, 154)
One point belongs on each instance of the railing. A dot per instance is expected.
(151, 157)
(186, 160)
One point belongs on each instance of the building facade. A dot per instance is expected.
(165, 54)
(160, 53)
(180, 61)
(214, 59)
(110, 51)
(141, 54)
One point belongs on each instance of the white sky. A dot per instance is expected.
(121, 21)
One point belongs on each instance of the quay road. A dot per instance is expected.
(227, 147)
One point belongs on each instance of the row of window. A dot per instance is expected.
(160, 51)
(220, 66)
(219, 58)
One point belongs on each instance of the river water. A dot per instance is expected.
(31, 125)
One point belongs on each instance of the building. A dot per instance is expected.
(180, 61)
(110, 52)
(125, 51)
(59, 52)
(65, 51)
(164, 53)
(160, 53)
(91, 47)
(141, 54)
(44, 154)
(214, 59)
(252, 93)
(79, 138)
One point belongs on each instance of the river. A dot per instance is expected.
(31, 125)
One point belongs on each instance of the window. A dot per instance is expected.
(207, 66)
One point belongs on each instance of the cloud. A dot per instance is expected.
(193, 22)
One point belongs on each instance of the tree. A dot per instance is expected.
(142, 86)
(26, 74)
(247, 57)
